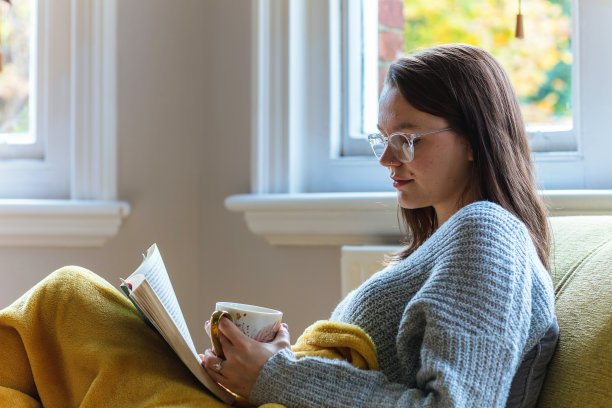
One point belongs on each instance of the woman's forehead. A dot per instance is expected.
(396, 114)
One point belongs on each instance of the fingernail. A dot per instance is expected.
(285, 325)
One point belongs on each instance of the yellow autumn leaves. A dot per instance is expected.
(539, 65)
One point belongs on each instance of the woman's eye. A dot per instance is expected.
(416, 141)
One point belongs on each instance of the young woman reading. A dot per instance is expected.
(455, 313)
(455, 317)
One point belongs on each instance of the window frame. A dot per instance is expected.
(12, 145)
(360, 103)
(362, 56)
(299, 121)
(42, 170)
(86, 212)
(288, 111)
(74, 106)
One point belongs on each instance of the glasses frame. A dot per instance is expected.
(407, 147)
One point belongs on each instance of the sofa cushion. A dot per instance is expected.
(581, 266)
(528, 380)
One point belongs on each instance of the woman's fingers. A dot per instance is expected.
(213, 365)
(231, 332)
(231, 337)
(245, 357)
(207, 327)
(283, 337)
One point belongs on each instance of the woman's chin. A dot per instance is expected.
(409, 201)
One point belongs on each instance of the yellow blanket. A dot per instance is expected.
(75, 340)
(334, 340)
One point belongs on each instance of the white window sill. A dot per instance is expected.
(365, 218)
(59, 223)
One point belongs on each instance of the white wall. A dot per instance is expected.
(183, 128)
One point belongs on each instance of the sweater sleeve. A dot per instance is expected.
(469, 322)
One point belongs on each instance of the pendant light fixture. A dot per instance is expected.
(519, 33)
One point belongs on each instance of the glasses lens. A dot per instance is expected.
(408, 149)
(402, 147)
(378, 145)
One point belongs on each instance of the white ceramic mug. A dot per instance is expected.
(259, 323)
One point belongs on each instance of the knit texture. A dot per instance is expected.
(450, 323)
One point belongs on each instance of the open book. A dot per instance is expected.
(150, 290)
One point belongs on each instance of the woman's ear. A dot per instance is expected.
(470, 151)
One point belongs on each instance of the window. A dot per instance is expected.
(57, 99)
(539, 65)
(304, 111)
(299, 90)
(57, 133)
(35, 133)
(15, 83)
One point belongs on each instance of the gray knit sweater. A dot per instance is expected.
(450, 323)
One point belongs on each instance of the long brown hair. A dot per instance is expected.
(469, 88)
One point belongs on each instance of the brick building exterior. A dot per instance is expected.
(390, 35)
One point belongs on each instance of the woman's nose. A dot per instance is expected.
(388, 158)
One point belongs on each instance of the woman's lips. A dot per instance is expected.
(400, 183)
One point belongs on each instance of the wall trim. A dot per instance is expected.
(59, 223)
(365, 218)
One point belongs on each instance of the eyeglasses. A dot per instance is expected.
(402, 143)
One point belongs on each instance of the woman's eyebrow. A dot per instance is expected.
(400, 126)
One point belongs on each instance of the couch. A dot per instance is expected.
(580, 373)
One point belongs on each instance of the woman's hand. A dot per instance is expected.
(245, 357)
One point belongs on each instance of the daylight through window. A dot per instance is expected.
(539, 65)
(15, 88)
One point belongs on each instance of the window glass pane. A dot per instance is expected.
(15, 74)
(539, 65)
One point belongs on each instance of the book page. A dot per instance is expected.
(150, 290)
(150, 305)
(154, 270)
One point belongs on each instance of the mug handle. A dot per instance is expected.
(214, 330)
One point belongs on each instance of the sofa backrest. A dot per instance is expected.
(580, 373)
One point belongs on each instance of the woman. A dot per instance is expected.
(451, 317)
(459, 308)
